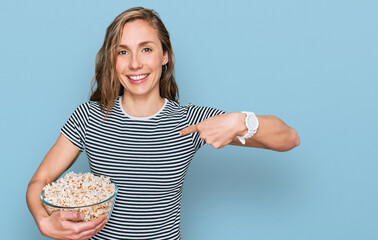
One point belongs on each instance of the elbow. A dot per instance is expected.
(296, 140)
(292, 141)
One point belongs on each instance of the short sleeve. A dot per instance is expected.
(198, 114)
(75, 127)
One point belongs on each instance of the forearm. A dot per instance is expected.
(275, 134)
(272, 134)
(61, 224)
(34, 202)
(60, 157)
(223, 129)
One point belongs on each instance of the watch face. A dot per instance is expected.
(252, 122)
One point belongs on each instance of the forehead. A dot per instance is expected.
(137, 31)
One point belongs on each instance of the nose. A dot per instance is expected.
(135, 62)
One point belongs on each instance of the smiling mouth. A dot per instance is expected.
(137, 77)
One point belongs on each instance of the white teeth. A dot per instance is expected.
(139, 77)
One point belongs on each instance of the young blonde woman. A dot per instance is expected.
(134, 130)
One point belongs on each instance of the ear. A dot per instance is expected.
(165, 57)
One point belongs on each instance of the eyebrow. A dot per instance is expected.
(140, 44)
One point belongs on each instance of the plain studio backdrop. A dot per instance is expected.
(313, 63)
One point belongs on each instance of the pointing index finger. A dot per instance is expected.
(189, 130)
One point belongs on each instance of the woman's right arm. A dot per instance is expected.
(59, 225)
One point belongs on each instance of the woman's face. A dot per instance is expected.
(140, 59)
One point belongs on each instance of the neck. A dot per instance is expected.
(141, 106)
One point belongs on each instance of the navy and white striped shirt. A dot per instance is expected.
(147, 159)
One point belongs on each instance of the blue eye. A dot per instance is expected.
(123, 52)
(146, 49)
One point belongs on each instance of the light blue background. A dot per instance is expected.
(313, 63)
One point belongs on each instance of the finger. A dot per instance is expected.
(79, 227)
(72, 215)
(189, 130)
(101, 227)
(90, 233)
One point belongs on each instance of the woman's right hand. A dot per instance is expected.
(64, 225)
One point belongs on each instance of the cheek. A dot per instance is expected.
(118, 66)
(155, 62)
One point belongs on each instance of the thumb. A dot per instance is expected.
(72, 215)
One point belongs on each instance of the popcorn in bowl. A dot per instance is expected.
(86, 193)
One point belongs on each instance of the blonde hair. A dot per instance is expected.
(108, 85)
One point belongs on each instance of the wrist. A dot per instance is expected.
(40, 214)
(251, 122)
(42, 224)
(241, 128)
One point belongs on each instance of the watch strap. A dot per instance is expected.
(252, 123)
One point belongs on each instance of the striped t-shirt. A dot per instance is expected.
(147, 159)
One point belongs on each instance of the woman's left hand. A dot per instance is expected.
(220, 130)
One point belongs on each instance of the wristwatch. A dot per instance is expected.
(252, 124)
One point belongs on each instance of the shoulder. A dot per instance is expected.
(94, 107)
(203, 110)
(191, 110)
(174, 108)
(87, 109)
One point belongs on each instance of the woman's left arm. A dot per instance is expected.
(223, 129)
